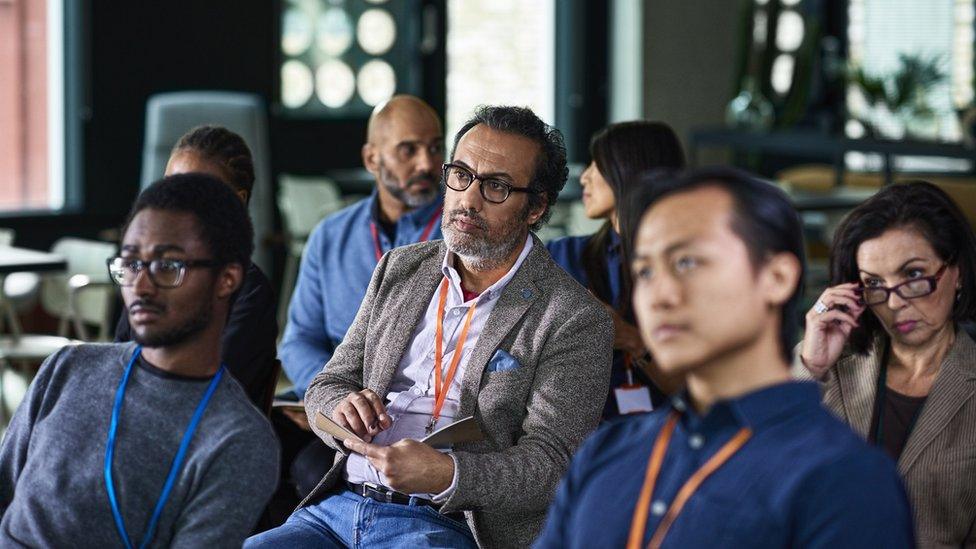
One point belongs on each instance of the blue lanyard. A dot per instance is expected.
(174, 468)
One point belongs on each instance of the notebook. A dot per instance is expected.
(462, 430)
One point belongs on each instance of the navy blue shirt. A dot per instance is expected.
(802, 480)
(568, 253)
(337, 264)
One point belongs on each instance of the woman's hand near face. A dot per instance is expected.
(827, 331)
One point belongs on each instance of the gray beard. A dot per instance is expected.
(400, 193)
(479, 263)
(484, 254)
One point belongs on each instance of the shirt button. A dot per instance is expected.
(658, 508)
(696, 441)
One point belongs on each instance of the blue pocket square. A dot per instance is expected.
(502, 362)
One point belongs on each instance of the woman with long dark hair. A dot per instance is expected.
(621, 153)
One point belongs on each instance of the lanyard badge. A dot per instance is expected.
(441, 388)
(174, 468)
(639, 522)
(632, 397)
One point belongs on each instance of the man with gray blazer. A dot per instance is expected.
(481, 324)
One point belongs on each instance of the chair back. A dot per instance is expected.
(170, 115)
(304, 201)
(577, 224)
(91, 305)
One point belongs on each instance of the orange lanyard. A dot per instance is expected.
(429, 228)
(639, 523)
(441, 388)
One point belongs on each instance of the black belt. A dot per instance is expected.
(383, 494)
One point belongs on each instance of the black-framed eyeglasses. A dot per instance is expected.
(493, 190)
(164, 273)
(910, 289)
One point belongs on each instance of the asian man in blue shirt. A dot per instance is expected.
(745, 457)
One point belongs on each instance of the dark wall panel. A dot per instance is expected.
(142, 48)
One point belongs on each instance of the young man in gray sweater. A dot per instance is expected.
(150, 443)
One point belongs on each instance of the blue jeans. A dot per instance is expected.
(345, 519)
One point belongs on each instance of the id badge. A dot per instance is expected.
(632, 399)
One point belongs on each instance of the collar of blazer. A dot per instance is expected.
(515, 300)
(954, 385)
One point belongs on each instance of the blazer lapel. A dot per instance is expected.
(953, 387)
(858, 385)
(396, 335)
(520, 293)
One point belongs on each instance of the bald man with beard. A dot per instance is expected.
(404, 152)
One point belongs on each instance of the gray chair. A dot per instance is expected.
(80, 297)
(303, 202)
(84, 295)
(577, 224)
(19, 289)
(170, 115)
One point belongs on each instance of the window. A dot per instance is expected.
(880, 31)
(31, 105)
(788, 31)
(500, 52)
(341, 59)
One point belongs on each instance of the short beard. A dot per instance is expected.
(389, 181)
(179, 334)
(489, 252)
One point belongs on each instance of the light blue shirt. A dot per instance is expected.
(337, 264)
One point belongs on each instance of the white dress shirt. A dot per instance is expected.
(410, 400)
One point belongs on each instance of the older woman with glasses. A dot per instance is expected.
(885, 343)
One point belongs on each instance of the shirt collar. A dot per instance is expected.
(754, 409)
(493, 291)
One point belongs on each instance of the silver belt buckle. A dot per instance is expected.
(376, 488)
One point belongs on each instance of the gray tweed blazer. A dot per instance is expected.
(534, 416)
(938, 463)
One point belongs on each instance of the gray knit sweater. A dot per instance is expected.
(52, 488)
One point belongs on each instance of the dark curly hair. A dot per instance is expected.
(222, 221)
(224, 148)
(550, 169)
(918, 205)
